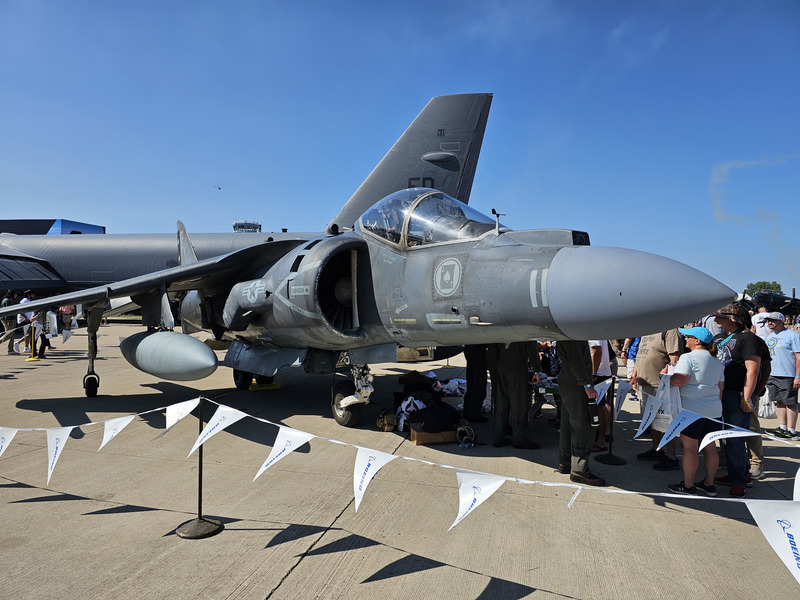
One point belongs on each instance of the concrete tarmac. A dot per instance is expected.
(104, 527)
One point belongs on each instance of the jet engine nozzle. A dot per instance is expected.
(657, 294)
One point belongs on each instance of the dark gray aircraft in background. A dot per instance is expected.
(419, 268)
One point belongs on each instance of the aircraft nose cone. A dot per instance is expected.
(597, 292)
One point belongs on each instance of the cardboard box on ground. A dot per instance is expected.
(421, 438)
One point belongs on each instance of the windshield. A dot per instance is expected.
(430, 217)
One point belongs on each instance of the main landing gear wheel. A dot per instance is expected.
(91, 381)
(349, 416)
(242, 379)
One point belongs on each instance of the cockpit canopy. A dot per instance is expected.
(420, 216)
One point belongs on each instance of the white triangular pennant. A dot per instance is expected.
(112, 427)
(680, 422)
(6, 435)
(287, 441)
(651, 407)
(66, 334)
(779, 521)
(601, 389)
(177, 411)
(56, 439)
(727, 433)
(473, 489)
(623, 387)
(224, 417)
(368, 462)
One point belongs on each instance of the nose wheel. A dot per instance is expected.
(349, 397)
(350, 415)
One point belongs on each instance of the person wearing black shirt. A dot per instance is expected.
(745, 357)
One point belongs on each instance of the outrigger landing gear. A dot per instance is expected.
(94, 314)
(91, 381)
(349, 397)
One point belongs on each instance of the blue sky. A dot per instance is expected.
(666, 126)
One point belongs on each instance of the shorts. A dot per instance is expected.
(781, 389)
(700, 428)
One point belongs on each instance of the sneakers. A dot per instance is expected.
(757, 473)
(737, 491)
(667, 464)
(708, 490)
(782, 434)
(26, 351)
(726, 480)
(16, 347)
(680, 488)
(652, 454)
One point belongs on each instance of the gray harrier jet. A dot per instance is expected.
(418, 268)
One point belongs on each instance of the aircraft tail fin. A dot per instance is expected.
(185, 249)
(439, 150)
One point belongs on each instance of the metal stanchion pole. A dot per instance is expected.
(199, 527)
(609, 458)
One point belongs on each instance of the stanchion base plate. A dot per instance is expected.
(199, 528)
(610, 459)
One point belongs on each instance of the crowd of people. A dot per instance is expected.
(722, 367)
(29, 333)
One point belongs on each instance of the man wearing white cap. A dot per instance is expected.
(784, 380)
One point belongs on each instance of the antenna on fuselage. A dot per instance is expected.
(497, 216)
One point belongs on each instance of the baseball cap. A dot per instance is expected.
(774, 316)
(701, 333)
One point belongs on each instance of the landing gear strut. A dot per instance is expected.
(349, 397)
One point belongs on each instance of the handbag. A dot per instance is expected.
(766, 407)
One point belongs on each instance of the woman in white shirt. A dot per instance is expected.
(700, 376)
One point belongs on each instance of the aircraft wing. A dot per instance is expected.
(210, 274)
(439, 150)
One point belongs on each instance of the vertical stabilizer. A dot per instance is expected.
(185, 249)
(439, 150)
